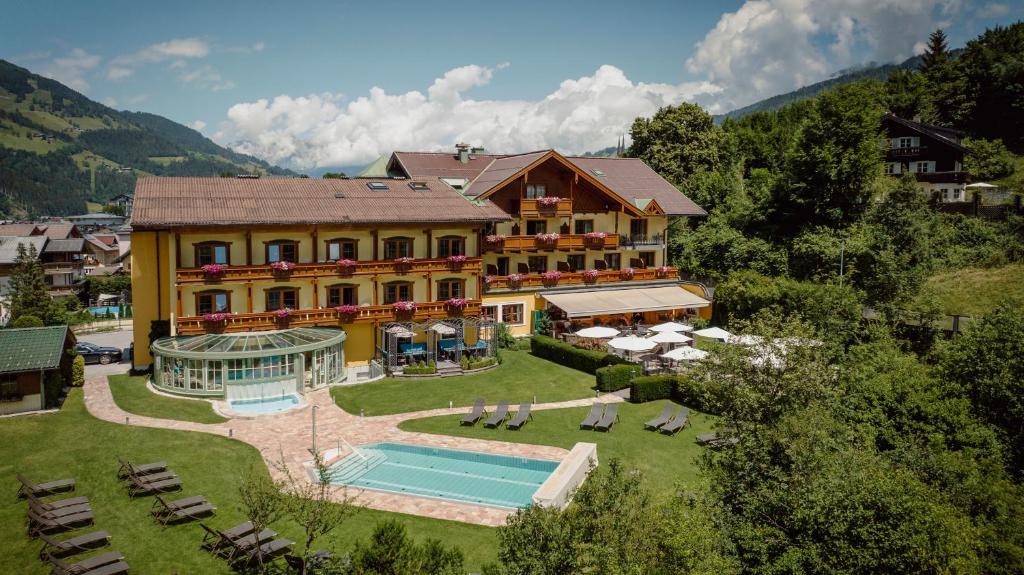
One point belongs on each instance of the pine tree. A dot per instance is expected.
(936, 54)
(28, 289)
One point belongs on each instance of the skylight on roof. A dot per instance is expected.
(598, 173)
(377, 186)
(419, 186)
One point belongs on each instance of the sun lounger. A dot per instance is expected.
(593, 417)
(58, 503)
(214, 539)
(60, 511)
(153, 477)
(41, 489)
(716, 441)
(611, 415)
(500, 413)
(106, 564)
(239, 539)
(79, 544)
(137, 487)
(127, 469)
(665, 417)
(187, 508)
(269, 551)
(474, 414)
(678, 422)
(521, 416)
(38, 524)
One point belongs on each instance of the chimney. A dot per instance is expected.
(462, 152)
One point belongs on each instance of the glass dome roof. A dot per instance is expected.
(248, 344)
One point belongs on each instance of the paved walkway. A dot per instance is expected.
(287, 437)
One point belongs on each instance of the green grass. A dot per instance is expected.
(72, 443)
(665, 460)
(132, 395)
(976, 291)
(520, 377)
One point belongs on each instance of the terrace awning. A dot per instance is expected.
(605, 302)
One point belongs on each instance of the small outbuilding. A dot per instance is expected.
(34, 367)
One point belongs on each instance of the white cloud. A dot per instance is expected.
(326, 130)
(993, 10)
(258, 47)
(178, 49)
(768, 47)
(70, 70)
(197, 125)
(206, 77)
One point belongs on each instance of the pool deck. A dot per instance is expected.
(286, 438)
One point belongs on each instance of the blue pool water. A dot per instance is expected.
(452, 474)
(264, 405)
(103, 310)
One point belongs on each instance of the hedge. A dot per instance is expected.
(616, 377)
(651, 388)
(78, 371)
(562, 353)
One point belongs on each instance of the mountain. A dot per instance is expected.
(60, 150)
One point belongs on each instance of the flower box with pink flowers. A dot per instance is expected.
(347, 310)
(346, 266)
(548, 201)
(283, 313)
(216, 317)
(662, 271)
(627, 273)
(456, 302)
(456, 261)
(590, 276)
(515, 279)
(404, 306)
(546, 238)
(282, 267)
(495, 239)
(551, 277)
(214, 271)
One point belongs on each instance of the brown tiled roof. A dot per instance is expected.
(633, 180)
(174, 202)
(442, 165)
(69, 245)
(108, 239)
(17, 229)
(500, 170)
(59, 231)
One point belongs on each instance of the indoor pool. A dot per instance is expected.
(263, 405)
(497, 480)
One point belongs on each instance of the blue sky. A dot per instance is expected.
(335, 83)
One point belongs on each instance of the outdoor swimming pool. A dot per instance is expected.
(456, 475)
(263, 405)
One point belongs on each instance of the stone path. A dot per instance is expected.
(288, 437)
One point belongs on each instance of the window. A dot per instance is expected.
(534, 227)
(576, 262)
(397, 291)
(945, 194)
(282, 251)
(584, 226)
(503, 266)
(892, 168)
(213, 253)
(647, 258)
(395, 248)
(903, 143)
(614, 261)
(9, 388)
(451, 246)
(956, 193)
(195, 374)
(922, 167)
(342, 294)
(342, 249)
(489, 312)
(534, 191)
(419, 186)
(212, 302)
(512, 313)
(638, 228)
(377, 186)
(280, 298)
(214, 376)
(537, 264)
(447, 289)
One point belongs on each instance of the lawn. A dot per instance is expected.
(521, 377)
(132, 395)
(664, 459)
(976, 291)
(74, 444)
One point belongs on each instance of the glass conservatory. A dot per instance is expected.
(242, 366)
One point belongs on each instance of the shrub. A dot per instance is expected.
(482, 363)
(78, 371)
(616, 377)
(27, 321)
(692, 393)
(651, 388)
(53, 385)
(564, 354)
(421, 368)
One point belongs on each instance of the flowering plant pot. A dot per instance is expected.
(590, 276)
(213, 271)
(216, 317)
(455, 262)
(595, 239)
(546, 238)
(548, 202)
(346, 266)
(551, 277)
(455, 305)
(515, 280)
(282, 269)
(347, 311)
(404, 306)
(282, 313)
(662, 271)
(627, 274)
(495, 239)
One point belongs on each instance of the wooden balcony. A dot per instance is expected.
(533, 209)
(565, 242)
(328, 317)
(906, 152)
(324, 270)
(535, 281)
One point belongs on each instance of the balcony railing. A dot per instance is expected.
(548, 242)
(911, 151)
(329, 317)
(533, 209)
(63, 267)
(325, 269)
(531, 281)
(637, 240)
(943, 177)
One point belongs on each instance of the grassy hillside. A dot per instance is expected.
(60, 151)
(977, 291)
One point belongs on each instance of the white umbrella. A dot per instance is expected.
(400, 331)
(443, 329)
(713, 333)
(671, 326)
(670, 337)
(632, 343)
(597, 332)
(980, 185)
(685, 354)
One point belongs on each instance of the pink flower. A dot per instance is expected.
(282, 266)
(496, 238)
(627, 273)
(213, 269)
(551, 276)
(548, 201)
(546, 238)
(515, 278)
(282, 313)
(404, 261)
(404, 306)
(663, 270)
(591, 275)
(457, 259)
(488, 279)
(457, 302)
(595, 235)
(346, 263)
(347, 309)
(216, 317)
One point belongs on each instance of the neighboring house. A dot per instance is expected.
(64, 265)
(932, 153)
(101, 250)
(124, 201)
(33, 364)
(98, 221)
(469, 238)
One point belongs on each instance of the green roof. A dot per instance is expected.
(31, 348)
(378, 169)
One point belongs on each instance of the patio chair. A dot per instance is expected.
(41, 489)
(596, 411)
(181, 509)
(38, 524)
(269, 551)
(681, 420)
(127, 469)
(500, 414)
(521, 416)
(665, 417)
(137, 487)
(109, 563)
(611, 415)
(475, 414)
(73, 546)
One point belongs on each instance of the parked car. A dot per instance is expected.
(97, 353)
